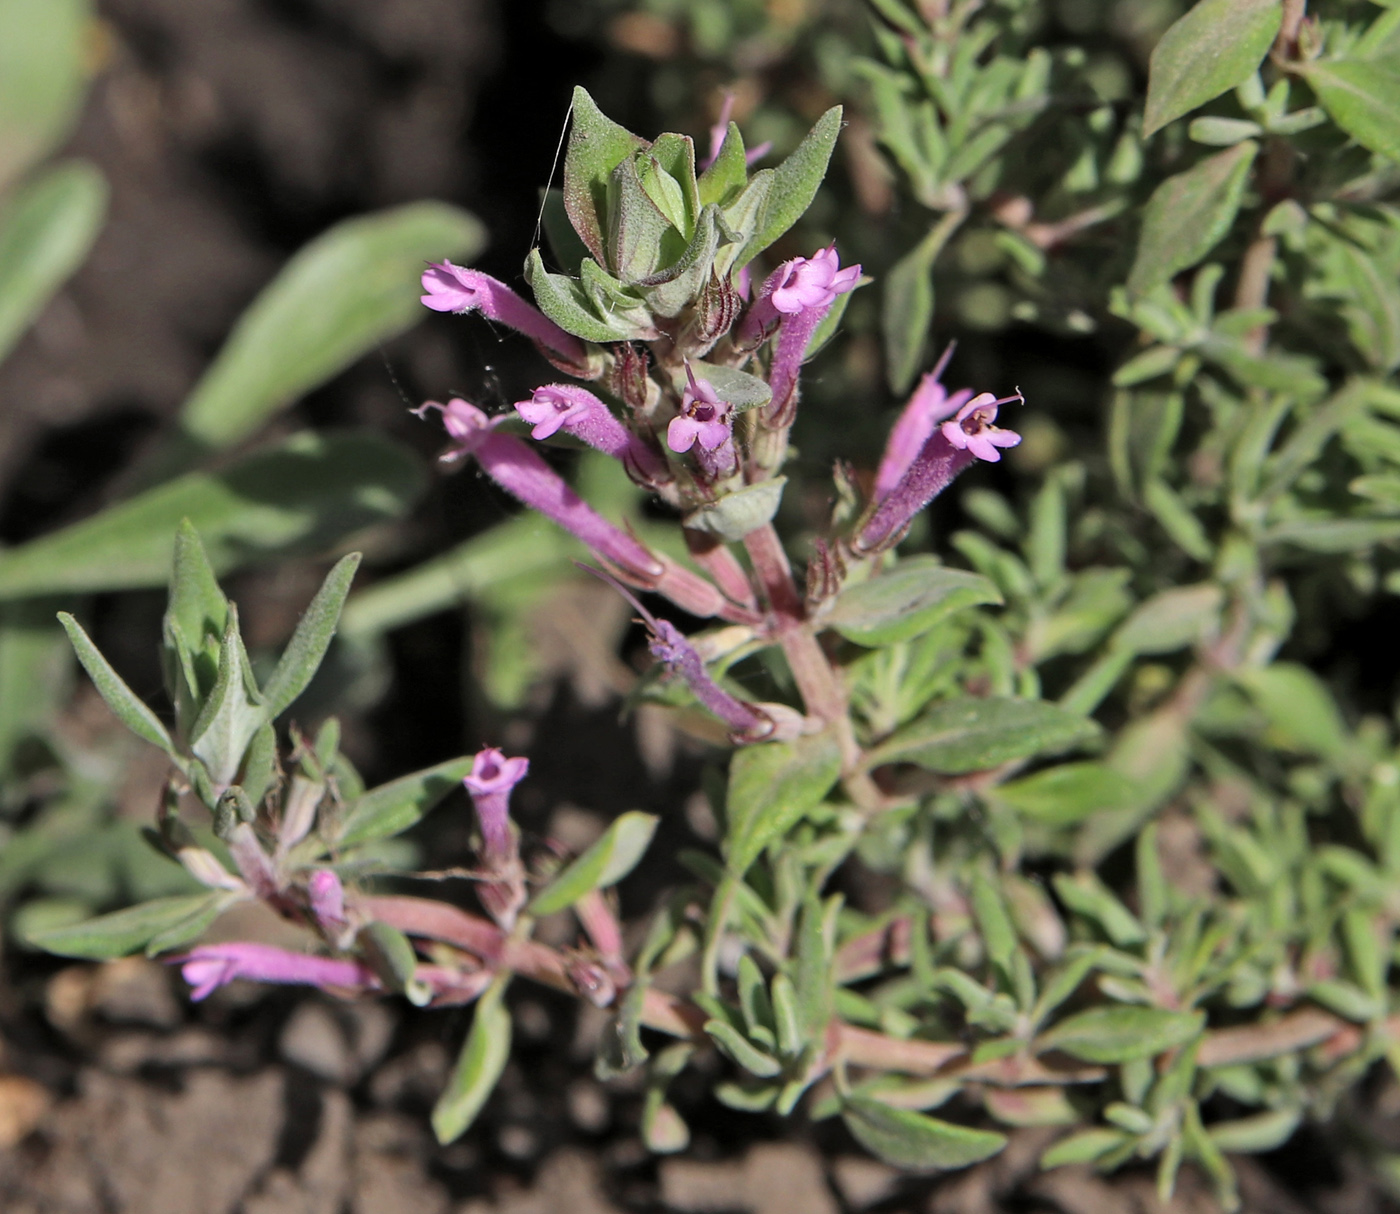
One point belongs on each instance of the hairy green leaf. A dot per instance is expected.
(974, 734)
(605, 863)
(906, 601)
(772, 786)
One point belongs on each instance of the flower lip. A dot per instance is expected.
(704, 418)
(813, 282)
(549, 410)
(492, 772)
(971, 429)
(465, 424)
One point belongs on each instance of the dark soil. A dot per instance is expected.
(231, 132)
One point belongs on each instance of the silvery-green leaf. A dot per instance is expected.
(124, 703)
(1112, 1033)
(908, 309)
(906, 601)
(1084, 1147)
(232, 713)
(972, 734)
(392, 808)
(736, 514)
(795, 184)
(914, 1141)
(305, 651)
(597, 145)
(1188, 215)
(736, 1046)
(605, 863)
(1184, 615)
(568, 305)
(640, 238)
(45, 63)
(569, 251)
(125, 931)
(47, 227)
(722, 182)
(670, 290)
(738, 388)
(1213, 48)
(304, 495)
(772, 786)
(1066, 794)
(674, 156)
(479, 1066)
(1363, 98)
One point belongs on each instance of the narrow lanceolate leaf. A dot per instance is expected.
(914, 1141)
(908, 310)
(304, 495)
(394, 807)
(737, 1046)
(610, 859)
(1188, 214)
(771, 788)
(479, 1066)
(975, 734)
(124, 702)
(1362, 97)
(795, 184)
(125, 931)
(311, 639)
(907, 601)
(1068, 793)
(1210, 50)
(46, 230)
(339, 297)
(1116, 1034)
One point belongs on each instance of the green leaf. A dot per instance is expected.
(738, 388)
(772, 786)
(915, 1141)
(46, 230)
(347, 291)
(1330, 535)
(976, 734)
(392, 808)
(1362, 97)
(993, 923)
(1084, 1147)
(304, 652)
(125, 931)
(123, 702)
(568, 305)
(1300, 709)
(1213, 48)
(794, 185)
(44, 64)
(638, 233)
(736, 514)
(1086, 895)
(725, 179)
(195, 602)
(610, 859)
(1119, 1033)
(304, 495)
(1069, 793)
(906, 601)
(190, 928)
(597, 145)
(1173, 619)
(568, 250)
(1188, 214)
(232, 713)
(907, 313)
(737, 1047)
(36, 662)
(479, 1066)
(1251, 1135)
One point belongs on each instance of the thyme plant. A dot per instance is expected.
(1141, 868)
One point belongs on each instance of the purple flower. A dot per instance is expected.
(972, 429)
(212, 965)
(491, 779)
(955, 445)
(796, 296)
(928, 406)
(577, 411)
(452, 288)
(703, 418)
(669, 646)
(510, 462)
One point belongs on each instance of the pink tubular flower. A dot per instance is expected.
(510, 462)
(972, 429)
(928, 406)
(452, 288)
(577, 411)
(327, 897)
(212, 965)
(955, 445)
(490, 782)
(797, 296)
